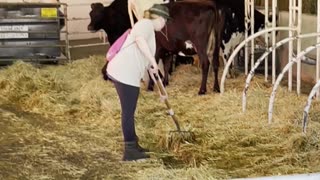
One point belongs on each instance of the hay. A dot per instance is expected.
(175, 139)
(63, 122)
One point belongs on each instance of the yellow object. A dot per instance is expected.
(49, 12)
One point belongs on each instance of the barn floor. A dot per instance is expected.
(62, 122)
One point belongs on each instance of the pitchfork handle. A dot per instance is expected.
(163, 92)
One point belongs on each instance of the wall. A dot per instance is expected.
(309, 25)
(80, 9)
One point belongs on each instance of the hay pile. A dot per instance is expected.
(62, 122)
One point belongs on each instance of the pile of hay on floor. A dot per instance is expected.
(63, 122)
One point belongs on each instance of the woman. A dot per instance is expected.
(128, 67)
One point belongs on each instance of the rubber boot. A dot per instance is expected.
(139, 147)
(132, 153)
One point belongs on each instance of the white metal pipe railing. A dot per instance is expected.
(295, 25)
(274, 19)
(262, 57)
(246, 23)
(266, 38)
(299, 24)
(249, 18)
(290, 47)
(313, 92)
(241, 45)
(280, 77)
(251, 5)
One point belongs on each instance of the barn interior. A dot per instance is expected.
(60, 120)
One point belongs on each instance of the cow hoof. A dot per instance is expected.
(202, 92)
(216, 90)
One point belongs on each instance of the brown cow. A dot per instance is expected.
(194, 21)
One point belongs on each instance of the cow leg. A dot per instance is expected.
(205, 70)
(201, 49)
(216, 52)
(168, 63)
(216, 65)
(151, 83)
(173, 64)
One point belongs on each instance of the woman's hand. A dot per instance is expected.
(154, 69)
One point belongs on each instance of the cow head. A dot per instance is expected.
(96, 17)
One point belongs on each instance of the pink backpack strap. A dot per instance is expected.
(117, 46)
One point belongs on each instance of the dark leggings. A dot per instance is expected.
(128, 96)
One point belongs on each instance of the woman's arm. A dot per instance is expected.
(143, 46)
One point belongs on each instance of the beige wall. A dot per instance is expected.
(80, 9)
(309, 25)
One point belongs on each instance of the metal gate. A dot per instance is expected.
(29, 31)
(41, 31)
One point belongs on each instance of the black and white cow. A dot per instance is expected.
(234, 27)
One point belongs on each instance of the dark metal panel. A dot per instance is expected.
(29, 30)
